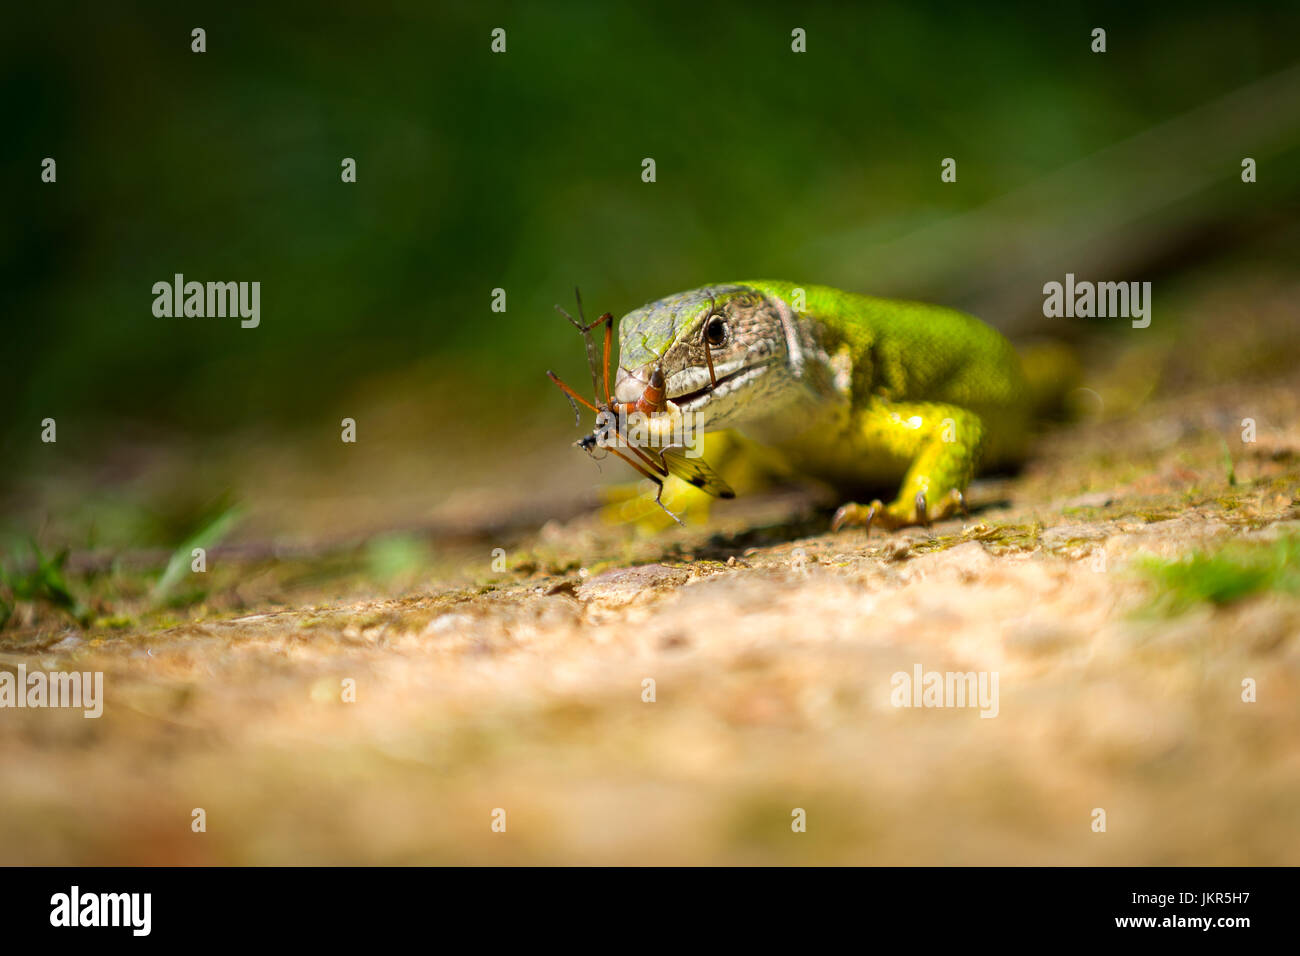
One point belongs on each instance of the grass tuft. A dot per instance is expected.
(1222, 577)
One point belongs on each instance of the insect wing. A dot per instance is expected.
(695, 471)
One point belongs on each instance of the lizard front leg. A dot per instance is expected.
(941, 444)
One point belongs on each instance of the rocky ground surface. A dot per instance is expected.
(679, 697)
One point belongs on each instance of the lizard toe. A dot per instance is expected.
(854, 514)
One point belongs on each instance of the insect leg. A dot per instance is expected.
(708, 349)
(570, 394)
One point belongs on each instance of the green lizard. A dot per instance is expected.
(859, 392)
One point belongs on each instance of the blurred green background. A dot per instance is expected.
(522, 171)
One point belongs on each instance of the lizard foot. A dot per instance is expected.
(899, 513)
(855, 515)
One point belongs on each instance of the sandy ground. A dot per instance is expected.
(772, 646)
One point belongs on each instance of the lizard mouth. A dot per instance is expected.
(687, 398)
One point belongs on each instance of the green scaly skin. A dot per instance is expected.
(857, 391)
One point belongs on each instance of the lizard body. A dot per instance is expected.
(854, 390)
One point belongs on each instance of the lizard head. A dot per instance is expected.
(723, 352)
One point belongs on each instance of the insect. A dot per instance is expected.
(654, 463)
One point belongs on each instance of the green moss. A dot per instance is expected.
(116, 621)
(1010, 537)
(377, 619)
(600, 567)
(1152, 515)
(544, 560)
(938, 543)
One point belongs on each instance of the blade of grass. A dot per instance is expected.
(208, 536)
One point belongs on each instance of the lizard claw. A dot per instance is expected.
(854, 514)
(960, 498)
(841, 516)
(902, 513)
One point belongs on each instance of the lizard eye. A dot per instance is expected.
(715, 331)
